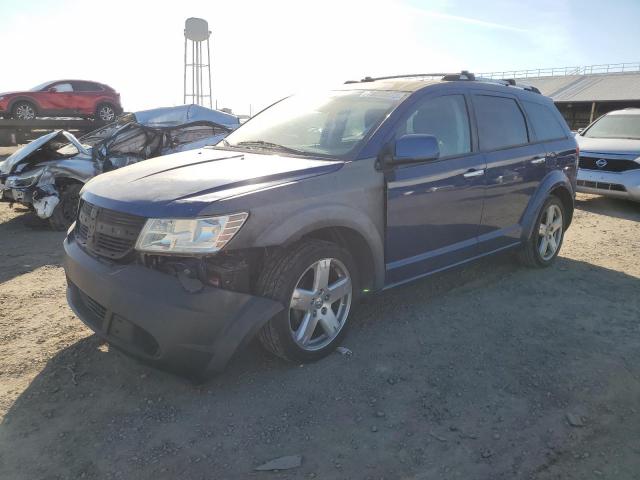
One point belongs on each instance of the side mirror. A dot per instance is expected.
(580, 130)
(416, 148)
(52, 90)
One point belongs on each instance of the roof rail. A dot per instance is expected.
(464, 75)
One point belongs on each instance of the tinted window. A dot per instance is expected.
(500, 122)
(86, 87)
(444, 117)
(545, 122)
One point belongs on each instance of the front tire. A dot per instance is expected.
(24, 111)
(318, 282)
(65, 212)
(543, 245)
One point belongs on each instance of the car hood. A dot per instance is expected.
(183, 184)
(25, 153)
(616, 146)
(8, 93)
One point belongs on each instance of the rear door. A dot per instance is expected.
(85, 96)
(434, 208)
(550, 128)
(515, 167)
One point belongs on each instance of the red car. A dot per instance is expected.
(77, 98)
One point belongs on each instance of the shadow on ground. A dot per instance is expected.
(470, 374)
(27, 243)
(612, 207)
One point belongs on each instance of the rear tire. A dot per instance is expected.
(543, 245)
(23, 110)
(105, 112)
(65, 212)
(324, 278)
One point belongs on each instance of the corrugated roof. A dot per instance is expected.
(589, 88)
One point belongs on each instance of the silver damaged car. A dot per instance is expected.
(47, 174)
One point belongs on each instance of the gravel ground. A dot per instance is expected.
(492, 371)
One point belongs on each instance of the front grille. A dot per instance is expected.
(107, 233)
(612, 164)
(602, 185)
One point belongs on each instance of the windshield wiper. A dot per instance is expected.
(266, 146)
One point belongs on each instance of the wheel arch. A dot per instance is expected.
(30, 100)
(345, 226)
(555, 183)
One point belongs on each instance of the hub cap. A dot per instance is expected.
(320, 304)
(25, 112)
(106, 113)
(550, 232)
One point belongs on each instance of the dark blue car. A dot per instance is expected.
(320, 199)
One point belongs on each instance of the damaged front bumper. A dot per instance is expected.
(35, 188)
(149, 314)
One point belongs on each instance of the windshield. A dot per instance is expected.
(330, 124)
(37, 88)
(616, 126)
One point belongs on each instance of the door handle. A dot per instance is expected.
(539, 160)
(473, 173)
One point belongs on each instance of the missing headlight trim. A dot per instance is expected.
(230, 271)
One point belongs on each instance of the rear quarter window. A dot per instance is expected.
(544, 121)
(501, 123)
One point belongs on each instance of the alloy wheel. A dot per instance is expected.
(24, 111)
(320, 304)
(550, 232)
(106, 113)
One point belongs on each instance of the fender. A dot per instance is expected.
(308, 220)
(32, 101)
(75, 169)
(553, 180)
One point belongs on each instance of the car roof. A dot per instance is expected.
(625, 111)
(415, 82)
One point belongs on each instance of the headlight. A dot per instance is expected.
(24, 181)
(1, 98)
(184, 235)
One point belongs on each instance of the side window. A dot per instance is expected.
(544, 121)
(63, 87)
(444, 117)
(86, 87)
(501, 123)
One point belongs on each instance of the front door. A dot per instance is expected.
(434, 208)
(62, 99)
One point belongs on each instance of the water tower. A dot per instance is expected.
(197, 74)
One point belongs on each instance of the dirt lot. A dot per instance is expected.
(474, 374)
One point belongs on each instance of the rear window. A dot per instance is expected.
(501, 123)
(545, 122)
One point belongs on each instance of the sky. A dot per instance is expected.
(262, 51)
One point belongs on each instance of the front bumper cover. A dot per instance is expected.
(149, 315)
(608, 183)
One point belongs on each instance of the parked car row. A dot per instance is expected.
(48, 173)
(62, 98)
(277, 229)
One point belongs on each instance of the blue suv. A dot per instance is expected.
(281, 228)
